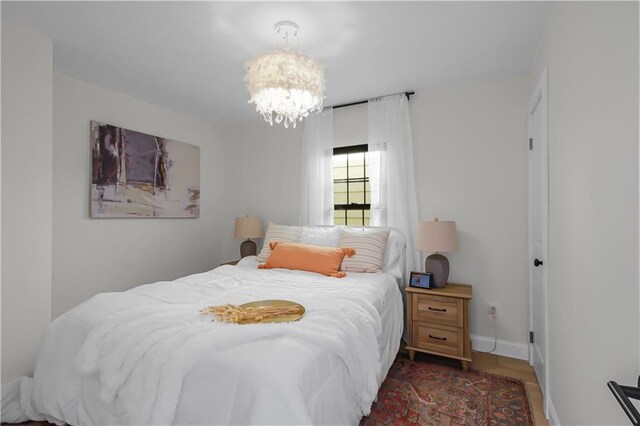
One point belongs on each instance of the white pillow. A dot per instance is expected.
(369, 246)
(320, 236)
(279, 233)
(394, 255)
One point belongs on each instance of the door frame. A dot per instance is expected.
(541, 90)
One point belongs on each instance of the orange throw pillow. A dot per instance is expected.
(304, 257)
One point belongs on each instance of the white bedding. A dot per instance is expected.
(279, 374)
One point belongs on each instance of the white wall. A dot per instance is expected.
(471, 166)
(262, 167)
(26, 197)
(100, 255)
(591, 51)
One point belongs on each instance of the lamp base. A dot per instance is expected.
(438, 266)
(248, 248)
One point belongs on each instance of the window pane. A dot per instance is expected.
(340, 166)
(339, 193)
(356, 197)
(356, 172)
(340, 160)
(354, 217)
(340, 172)
(350, 168)
(367, 194)
(354, 221)
(366, 221)
(356, 192)
(356, 165)
(356, 159)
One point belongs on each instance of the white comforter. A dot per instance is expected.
(146, 356)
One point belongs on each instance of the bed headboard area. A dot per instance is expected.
(394, 262)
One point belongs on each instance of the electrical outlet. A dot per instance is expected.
(492, 312)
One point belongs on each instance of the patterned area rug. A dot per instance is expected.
(428, 393)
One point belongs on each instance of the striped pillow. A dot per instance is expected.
(369, 247)
(280, 234)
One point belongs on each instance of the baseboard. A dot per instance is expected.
(503, 347)
(553, 415)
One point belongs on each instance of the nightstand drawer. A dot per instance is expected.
(438, 338)
(441, 310)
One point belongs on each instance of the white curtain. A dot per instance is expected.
(316, 180)
(391, 171)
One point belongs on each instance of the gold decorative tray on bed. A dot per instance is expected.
(262, 311)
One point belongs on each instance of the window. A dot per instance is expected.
(351, 191)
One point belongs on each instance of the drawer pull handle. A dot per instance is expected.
(437, 309)
(438, 338)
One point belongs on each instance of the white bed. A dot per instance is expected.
(292, 376)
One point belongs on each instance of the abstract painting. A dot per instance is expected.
(138, 175)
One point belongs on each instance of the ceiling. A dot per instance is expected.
(189, 56)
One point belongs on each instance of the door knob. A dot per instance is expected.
(537, 262)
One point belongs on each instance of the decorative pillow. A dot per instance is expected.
(369, 247)
(280, 233)
(320, 236)
(304, 257)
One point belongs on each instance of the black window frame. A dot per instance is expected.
(353, 149)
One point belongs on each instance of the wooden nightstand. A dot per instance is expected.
(233, 262)
(439, 322)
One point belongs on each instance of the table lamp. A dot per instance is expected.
(437, 236)
(248, 227)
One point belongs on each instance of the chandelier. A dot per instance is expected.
(285, 85)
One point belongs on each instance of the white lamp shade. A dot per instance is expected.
(248, 227)
(285, 86)
(437, 236)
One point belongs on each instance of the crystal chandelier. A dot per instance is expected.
(285, 85)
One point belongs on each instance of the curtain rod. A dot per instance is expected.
(407, 94)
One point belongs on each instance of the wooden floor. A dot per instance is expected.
(495, 364)
(518, 369)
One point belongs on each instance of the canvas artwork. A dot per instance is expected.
(142, 176)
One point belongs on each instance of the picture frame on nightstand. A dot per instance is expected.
(420, 279)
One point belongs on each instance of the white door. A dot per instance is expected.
(538, 231)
